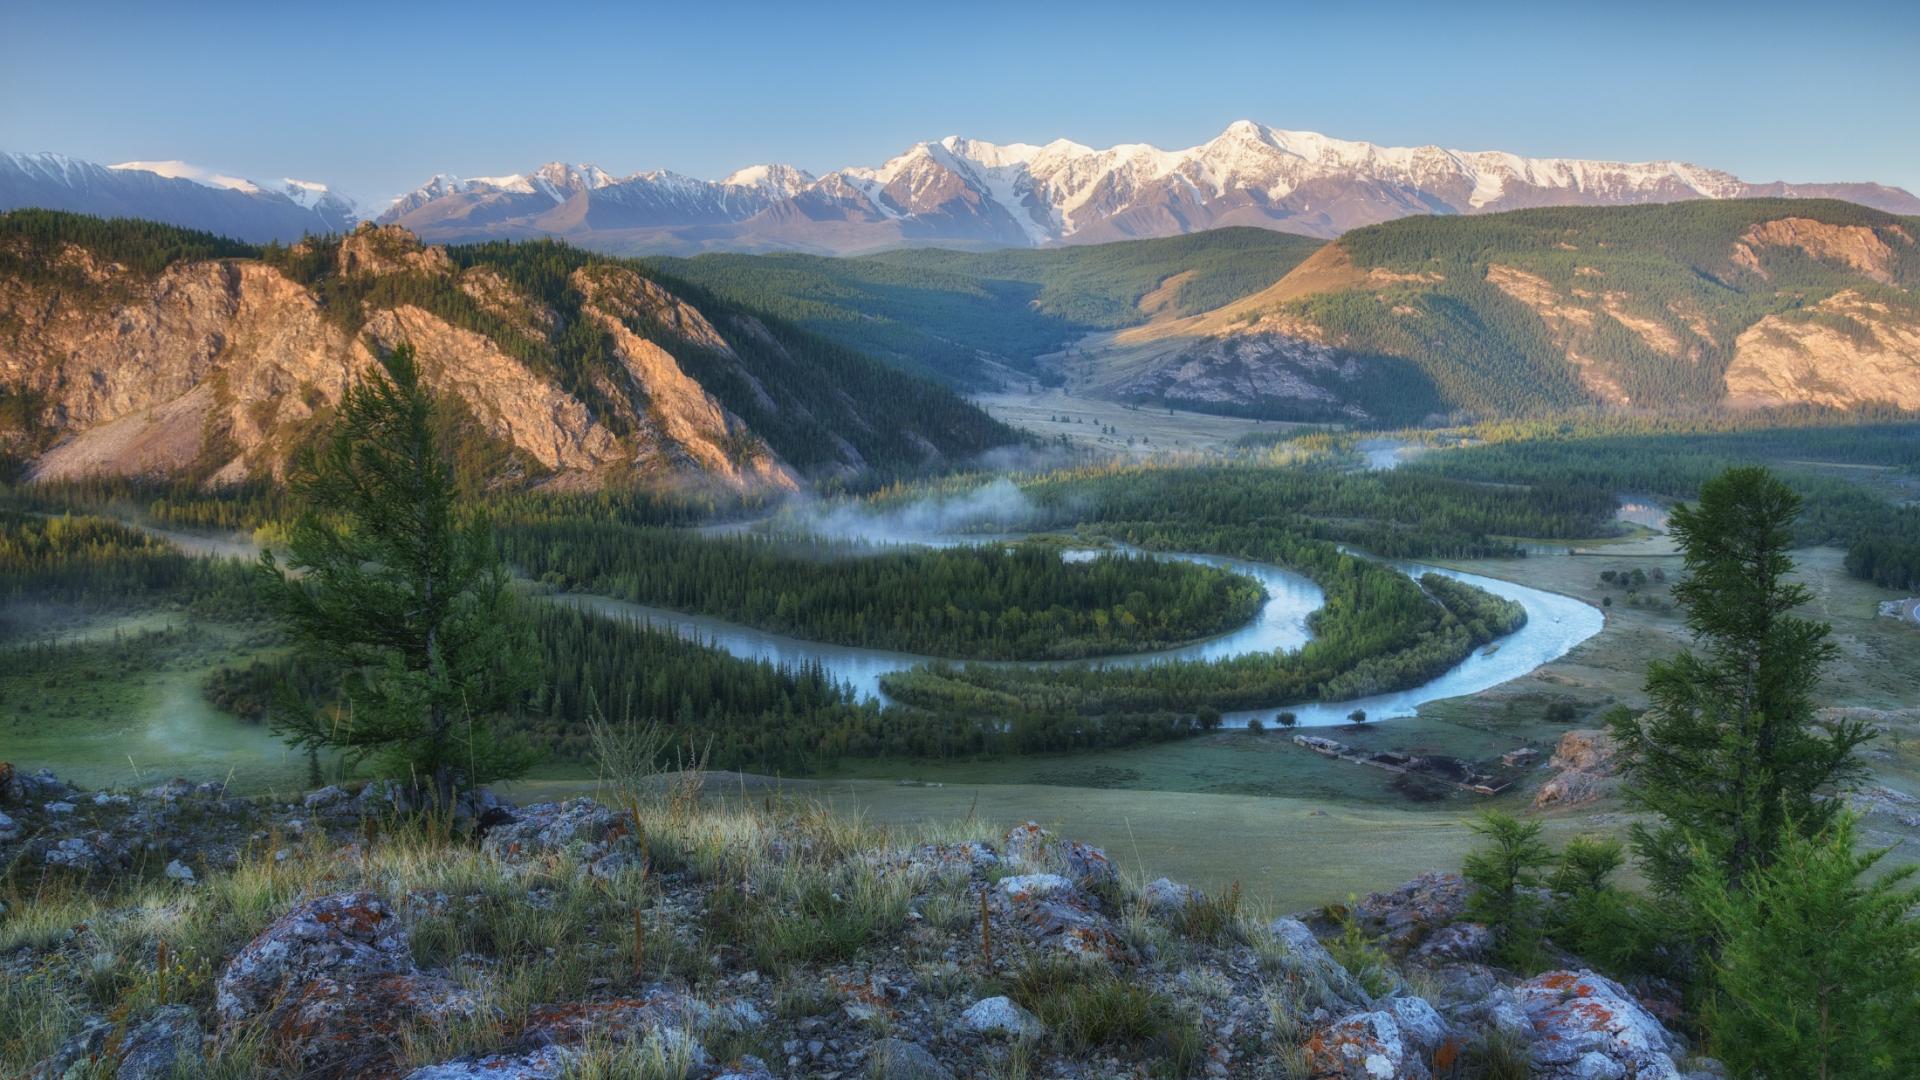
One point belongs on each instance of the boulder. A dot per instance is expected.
(1588, 1026)
(1031, 847)
(1466, 942)
(1405, 916)
(335, 984)
(1584, 769)
(1310, 960)
(1164, 897)
(1051, 912)
(1000, 1016)
(898, 1059)
(590, 831)
(1397, 1041)
(946, 862)
(179, 871)
(9, 828)
(346, 936)
(160, 1047)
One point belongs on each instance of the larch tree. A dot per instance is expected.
(390, 580)
(1730, 751)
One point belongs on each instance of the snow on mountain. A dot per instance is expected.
(967, 192)
(175, 192)
(180, 170)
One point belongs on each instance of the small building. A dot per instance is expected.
(1320, 745)
(1522, 758)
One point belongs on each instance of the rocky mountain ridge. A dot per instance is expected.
(217, 368)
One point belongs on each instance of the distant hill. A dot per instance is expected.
(1754, 302)
(978, 318)
(128, 347)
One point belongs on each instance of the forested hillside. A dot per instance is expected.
(1761, 302)
(944, 312)
(133, 348)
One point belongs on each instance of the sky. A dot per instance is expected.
(376, 98)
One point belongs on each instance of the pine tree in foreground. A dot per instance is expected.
(1729, 751)
(1818, 973)
(388, 581)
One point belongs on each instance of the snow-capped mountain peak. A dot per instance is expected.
(180, 170)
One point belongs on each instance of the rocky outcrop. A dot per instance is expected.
(1586, 1025)
(217, 370)
(1844, 352)
(1858, 247)
(1404, 917)
(1584, 770)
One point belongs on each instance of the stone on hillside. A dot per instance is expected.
(1406, 915)
(179, 871)
(1584, 769)
(547, 1063)
(1310, 959)
(1052, 912)
(9, 829)
(591, 831)
(1034, 848)
(78, 1049)
(59, 809)
(1589, 1026)
(1023, 887)
(160, 1047)
(1001, 1016)
(73, 853)
(334, 982)
(1164, 896)
(343, 936)
(1462, 942)
(1367, 1046)
(897, 1059)
(943, 861)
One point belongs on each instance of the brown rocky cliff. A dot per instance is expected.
(216, 369)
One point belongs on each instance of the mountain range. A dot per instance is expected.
(175, 193)
(954, 192)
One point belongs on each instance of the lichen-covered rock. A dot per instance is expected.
(583, 827)
(160, 1047)
(547, 1063)
(1311, 960)
(1462, 942)
(1366, 1046)
(1050, 911)
(967, 858)
(1588, 1026)
(1001, 1016)
(346, 936)
(1031, 847)
(1406, 915)
(1022, 888)
(1165, 896)
(898, 1059)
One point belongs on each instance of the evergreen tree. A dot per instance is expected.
(1819, 968)
(1505, 874)
(389, 583)
(1729, 751)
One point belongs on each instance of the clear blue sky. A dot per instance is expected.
(374, 98)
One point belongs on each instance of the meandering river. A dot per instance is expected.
(1555, 624)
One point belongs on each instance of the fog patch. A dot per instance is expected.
(999, 506)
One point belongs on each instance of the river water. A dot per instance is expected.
(1555, 624)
